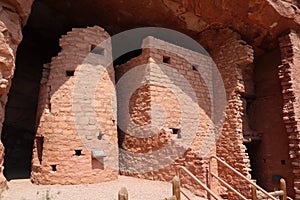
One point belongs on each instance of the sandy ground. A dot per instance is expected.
(138, 189)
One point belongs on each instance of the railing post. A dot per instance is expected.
(176, 187)
(208, 179)
(283, 188)
(123, 194)
(209, 172)
(254, 192)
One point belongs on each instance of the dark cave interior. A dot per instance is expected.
(48, 21)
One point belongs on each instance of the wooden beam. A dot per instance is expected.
(249, 139)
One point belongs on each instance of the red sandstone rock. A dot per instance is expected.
(258, 22)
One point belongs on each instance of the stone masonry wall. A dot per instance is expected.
(167, 81)
(230, 59)
(76, 139)
(271, 153)
(289, 74)
(12, 18)
(14, 13)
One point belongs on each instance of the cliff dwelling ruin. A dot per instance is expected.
(64, 116)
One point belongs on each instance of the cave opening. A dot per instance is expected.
(20, 113)
(40, 43)
(50, 19)
(47, 22)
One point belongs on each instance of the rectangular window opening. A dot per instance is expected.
(53, 168)
(49, 107)
(97, 50)
(176, 131)
(194, 68)
(78, 152)
(100, 136)
(70, 72)
(276, 177)
(166, 59)
(98, 163)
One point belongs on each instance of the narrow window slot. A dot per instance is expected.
(70, 73)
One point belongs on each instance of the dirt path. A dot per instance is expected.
(138, 189)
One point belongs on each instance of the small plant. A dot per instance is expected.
(48, 197)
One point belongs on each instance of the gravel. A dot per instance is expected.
(138, 189)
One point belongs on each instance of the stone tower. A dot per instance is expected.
(76, 139)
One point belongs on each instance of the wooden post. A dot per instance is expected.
(123, 194)
(176, 187)
(209, 177)
(254, 192)
(283, 188)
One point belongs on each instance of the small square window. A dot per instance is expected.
(194, 68)
(166, 59)
(97, 50)
(53, 168)
(176, 131)
(78, 152)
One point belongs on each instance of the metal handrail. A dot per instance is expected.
(240, 175)
(199, 182)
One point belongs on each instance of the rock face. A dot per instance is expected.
(13, 16)
(241, 37)
(259, 22)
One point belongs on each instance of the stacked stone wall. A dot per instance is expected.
(168, 80)
(230, 59)
(288, 74)
(75, 113)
